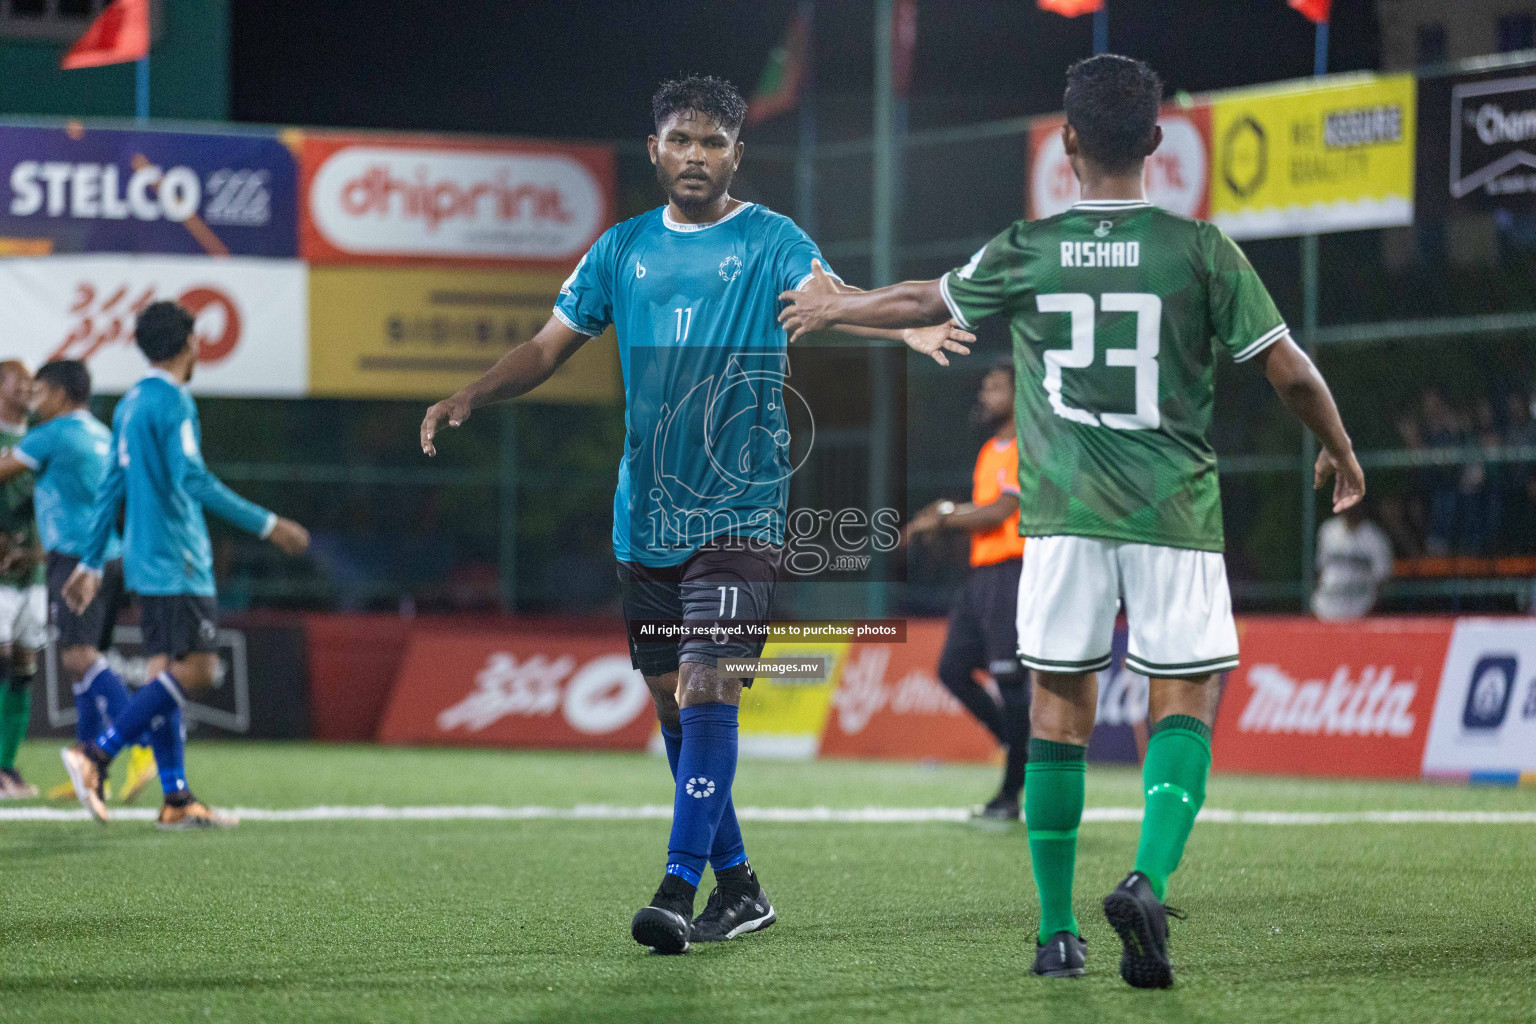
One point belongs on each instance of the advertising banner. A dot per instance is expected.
(1335, 154)
(391, 332)
(1343, 699)
(1177, 175)
(1485, 717)
(524, 688)
(75, 189)
(889, 703)
(1477, 141)
(785, 717)
(423, 199)
(251, 317)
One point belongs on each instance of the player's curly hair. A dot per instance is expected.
(163, 330)
(1111, 103)
(69, 376)
(713, 97)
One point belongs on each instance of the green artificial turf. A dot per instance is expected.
(448, 921)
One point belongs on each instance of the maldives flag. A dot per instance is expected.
(778, 91)
(1317, 10)
(1071, 8)
(119, 34)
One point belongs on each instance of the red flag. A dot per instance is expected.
(119, 34)
(1317, 10)
(1071, 8)
(778, 91)
(903, 45)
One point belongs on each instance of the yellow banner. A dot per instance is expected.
(785, 717)
(381, 332)
(1333, 154)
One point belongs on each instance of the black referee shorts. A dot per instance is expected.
(984, 627)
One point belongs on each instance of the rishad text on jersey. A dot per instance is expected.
(1101, 254)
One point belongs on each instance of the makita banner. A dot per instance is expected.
(1345, 699)
(1477, 141)
(75, 189)
(421, 199)
(528, 687)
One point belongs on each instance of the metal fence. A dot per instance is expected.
(514, 512)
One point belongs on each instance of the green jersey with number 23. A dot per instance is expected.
(1117, 310)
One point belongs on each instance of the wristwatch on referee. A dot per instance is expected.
(944, 509)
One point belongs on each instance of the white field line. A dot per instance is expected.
(791, 815)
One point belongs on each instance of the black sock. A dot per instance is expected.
(180, 799)
(737, 879)
(675, 893)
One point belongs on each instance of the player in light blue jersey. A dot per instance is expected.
(67, 456)
(157, 479)
(699, 513)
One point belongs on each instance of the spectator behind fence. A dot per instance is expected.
(1354, 558)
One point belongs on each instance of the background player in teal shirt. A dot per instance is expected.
(66, 453)
(698, 516)
(156, 477)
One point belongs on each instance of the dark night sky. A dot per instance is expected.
(585, 69)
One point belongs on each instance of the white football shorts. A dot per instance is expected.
(24, 616)
(1176, 603)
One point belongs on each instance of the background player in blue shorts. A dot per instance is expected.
(699, 514)
(157, 472)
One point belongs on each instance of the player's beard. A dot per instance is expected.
(717, 188)
(989, 421)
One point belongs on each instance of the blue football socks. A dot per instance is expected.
(729, 849)
(99, 699)
(706, 767)
(168, 741)
(153, 700)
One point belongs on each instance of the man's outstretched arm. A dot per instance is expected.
(516, 373)
(909, 304)
(1303, 390)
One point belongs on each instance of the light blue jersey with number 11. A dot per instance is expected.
(706, 369)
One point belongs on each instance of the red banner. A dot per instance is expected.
(890, 703)
(1177, 175)
(1345, 699)
(428, 200)
(519, 688)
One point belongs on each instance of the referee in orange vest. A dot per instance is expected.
(983, 630)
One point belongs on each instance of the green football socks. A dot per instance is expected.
(15, 712)
(1053, 808)
(1173, 777)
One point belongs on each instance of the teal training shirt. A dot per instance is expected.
(705, 361)
(156, 471)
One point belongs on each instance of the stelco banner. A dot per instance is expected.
(396, 332)
(1177, 175)
(73, 189)
(405, 199)
(251, 317)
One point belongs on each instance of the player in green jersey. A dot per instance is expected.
(1118, 311)
(23, 599)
